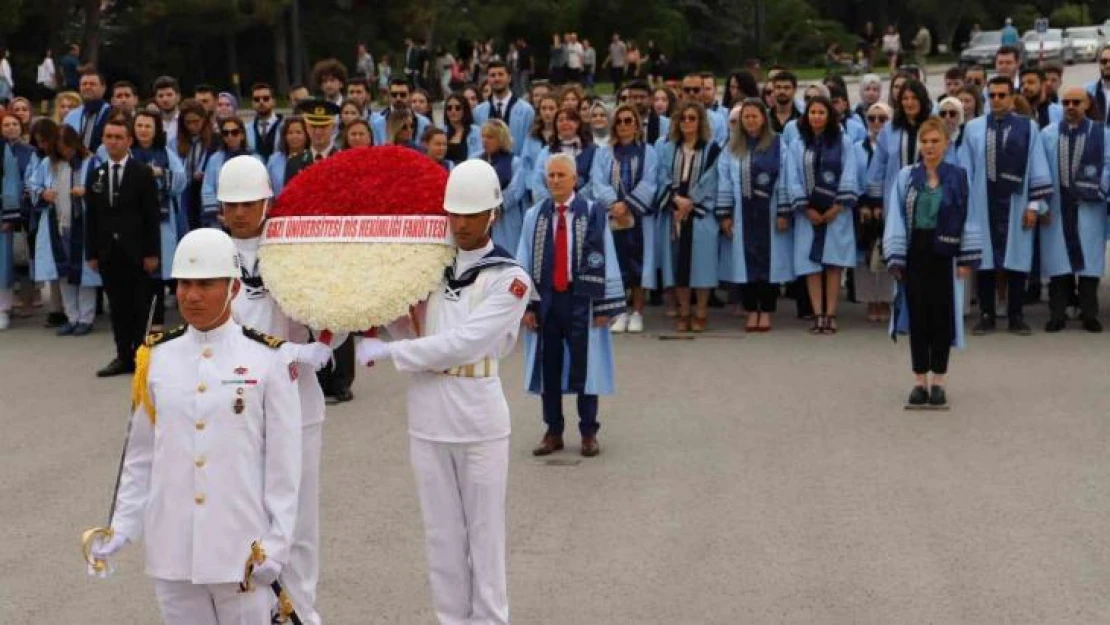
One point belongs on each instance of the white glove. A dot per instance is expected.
(266, 573)
(315, 354)
(104, 551)
(369, 350)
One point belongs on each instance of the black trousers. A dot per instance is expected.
(1060, 290)
(128, 288)
(929, 297)
(988, 293)
(797, 290)
(759, 296)
(616, 75)
(337, 379)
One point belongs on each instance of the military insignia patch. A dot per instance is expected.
(240, 371)
(239, 405)
(518, 288)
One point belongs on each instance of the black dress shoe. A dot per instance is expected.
(1019, 327)
(985, 326)
(918, 396)
(344, 395)
(937, 396)
(1092, 325)
(55, 320)
(114, 368)
(1056, 324)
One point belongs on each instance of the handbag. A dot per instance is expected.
(21, 251)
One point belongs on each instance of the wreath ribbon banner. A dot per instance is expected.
(358, 229)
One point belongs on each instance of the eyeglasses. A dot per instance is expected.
(878, 118)
(1104, 61)
(453, 107)
(262, 98)
(623, 98)
(398, 95)
(691, 90)
(1075, 102)
(949, 113)
(997, 95)
(230, 132)
(626, 121)
(689, 118)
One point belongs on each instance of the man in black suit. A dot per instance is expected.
(123, 240)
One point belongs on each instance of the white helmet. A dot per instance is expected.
(244, 179)
(206, 253)
(472, 188)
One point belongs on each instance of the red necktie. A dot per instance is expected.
(562, 280)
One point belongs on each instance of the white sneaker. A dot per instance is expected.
(620, 324)
(636, 323)
(5, 320)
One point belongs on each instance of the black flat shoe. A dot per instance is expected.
(344, 395)
(918, 396)
(114, 368)
(1055, 325)
(55, 320)
(937, 396)
(985, 326)
(1020, 328)
(1092, 325)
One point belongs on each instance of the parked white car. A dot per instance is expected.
(1051, 47)
(1087, 40)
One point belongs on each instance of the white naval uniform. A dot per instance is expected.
(212, 474)
(256, 309)
(459, 435)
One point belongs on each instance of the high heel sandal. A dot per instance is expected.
(699, 323)
(682, 324)
(818, 325)
(830, 325)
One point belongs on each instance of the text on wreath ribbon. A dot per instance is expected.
(358, 229)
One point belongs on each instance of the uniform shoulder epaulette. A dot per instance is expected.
(157, 338)
(272, 342)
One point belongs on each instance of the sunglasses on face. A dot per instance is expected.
(949, 113)
(623, 98)
(689, 118)
(626, 121)
(691, 90)
(999, 96)
(878, 118)
(406, 127)
(230, 132)
(397, 95)
(453, 107)
(1071, 103)
(1104, 61)
(262, 98)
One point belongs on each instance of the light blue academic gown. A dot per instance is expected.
(520, 114)
(733, 266)
(252, 136)
(896, 245)
(840, 235)
(706, 231)
(11, 209)
(600, 361)
(40, 179)
(1093, 226)
(1037, 185)
(506, 228)
(379, 127)
(640, 199)
(853, 128)
(73, 120)
(537, 182)
(529, 154)
(473, 140)
(209, 190)
(276, 167)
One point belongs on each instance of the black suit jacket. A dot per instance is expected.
(133, 223)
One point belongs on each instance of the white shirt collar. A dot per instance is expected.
(122, 162)
(228, 329)
(569, 201)
(465, 259)
(504, 102)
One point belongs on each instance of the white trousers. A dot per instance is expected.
(78, 302)
(299, 578)
(186, 603)
(462, 497)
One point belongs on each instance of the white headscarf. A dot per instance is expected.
(870, 79)
(959, 106)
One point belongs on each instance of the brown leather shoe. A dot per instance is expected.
(590, 448)
(551, 443)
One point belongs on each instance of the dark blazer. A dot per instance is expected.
(133, 223)
(296, 165)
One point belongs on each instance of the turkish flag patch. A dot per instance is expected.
(293, 373)
(518, 288)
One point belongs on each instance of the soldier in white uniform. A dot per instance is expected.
(458, 416)
(213, 461)
(244, 194)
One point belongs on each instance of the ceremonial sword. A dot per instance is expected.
(104, 534)
(286, 612)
